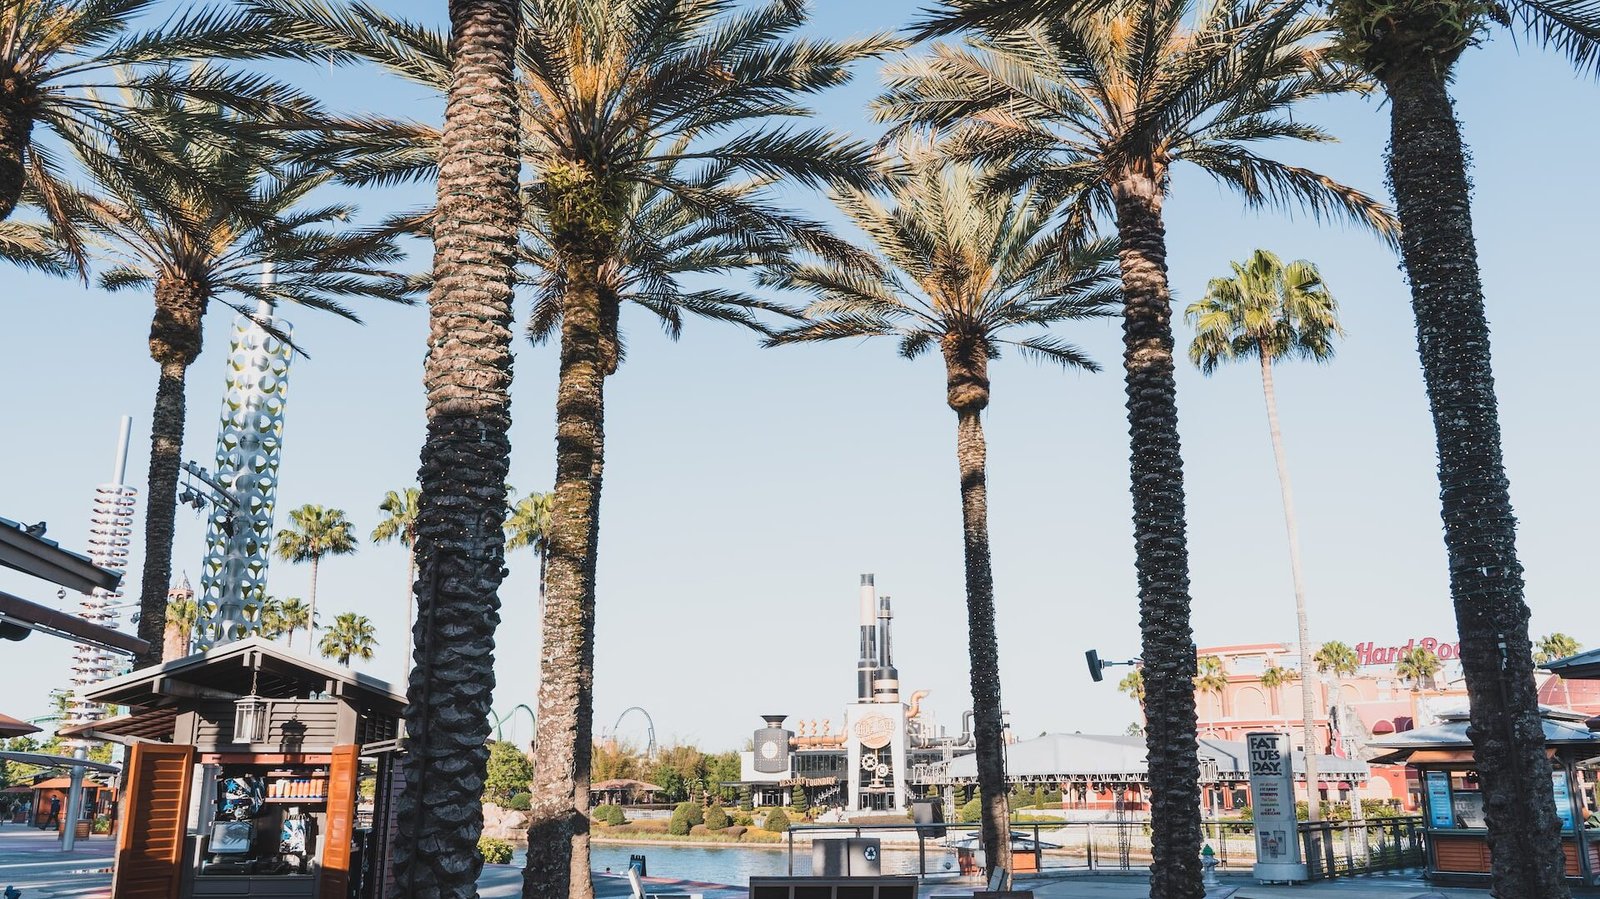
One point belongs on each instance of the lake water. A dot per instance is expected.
(735, 866)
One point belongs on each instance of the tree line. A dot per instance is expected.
(597, 154)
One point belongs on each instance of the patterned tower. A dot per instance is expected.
(110, 527)
(233, 577)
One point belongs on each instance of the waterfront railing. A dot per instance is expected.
(1330, 849)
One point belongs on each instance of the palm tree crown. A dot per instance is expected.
(1337, 657)
(1556, 646)
(1081, 104)
(1416, 666)
(314, 532)
(1267, 309)
(1132, 684)
(65, 60)
(350, 636)
(291, 615)
(528, 524)
(1212, 677)
(962, 269)
(399, 523)
(1276, 675)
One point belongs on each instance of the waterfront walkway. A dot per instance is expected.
(31, 861)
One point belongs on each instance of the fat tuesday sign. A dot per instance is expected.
(1272, 802)
(1370, 653)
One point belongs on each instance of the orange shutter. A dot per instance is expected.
(155, 816)
(342, 773)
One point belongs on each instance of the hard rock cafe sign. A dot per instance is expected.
(874, 731)
(1370, 653)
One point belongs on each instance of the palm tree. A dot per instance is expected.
(1556, 646)
(191, 247)
(400, 523)
(459, 543)
(1273, 677)
(292, 615)
(527, 525)
(1416, 666)
(1094, 102)
(636, 116)
(265, 618)
(1411, 51)
(350, 636)
(182, 616)
(1132, 684)
(968, 273)
(1336, 658)
(315, 532)
(1272, 311)
(1211, 677)
(65, 60)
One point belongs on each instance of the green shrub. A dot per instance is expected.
(679, 825)
(692, 811)
(745, 801)
(520, 802)
(610, 814)
(798, 804)
(716, 818)
(777, 821)
(972, 811)
(494, 852)
(744, 819)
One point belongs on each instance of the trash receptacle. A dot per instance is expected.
(855, 857)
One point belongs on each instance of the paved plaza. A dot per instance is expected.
(32, 862)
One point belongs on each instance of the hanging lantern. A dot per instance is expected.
(250, 716)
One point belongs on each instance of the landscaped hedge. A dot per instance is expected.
(610, 814)
(494, 852)
(717, 818)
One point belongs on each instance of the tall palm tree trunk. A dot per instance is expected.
(175, 341)
(1308, 695)
(1428, 172)
(15, 128)
(166, 448)
(311, 615)
(558, 829)
(460, 542)
(1160, 543)
(968, 388)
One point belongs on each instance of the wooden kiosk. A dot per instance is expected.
(241, 774)
(1456, 837)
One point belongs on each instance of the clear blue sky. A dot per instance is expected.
(746, 489)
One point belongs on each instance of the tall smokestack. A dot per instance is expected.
(886, 686)
(867, 666)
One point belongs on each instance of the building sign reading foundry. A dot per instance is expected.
(1272, 798)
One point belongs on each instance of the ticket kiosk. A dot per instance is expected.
(1456, 836)
(242, 772)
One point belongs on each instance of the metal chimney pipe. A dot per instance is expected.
(886, 685)
(867, 665)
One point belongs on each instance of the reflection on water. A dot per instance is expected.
(735, 866)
